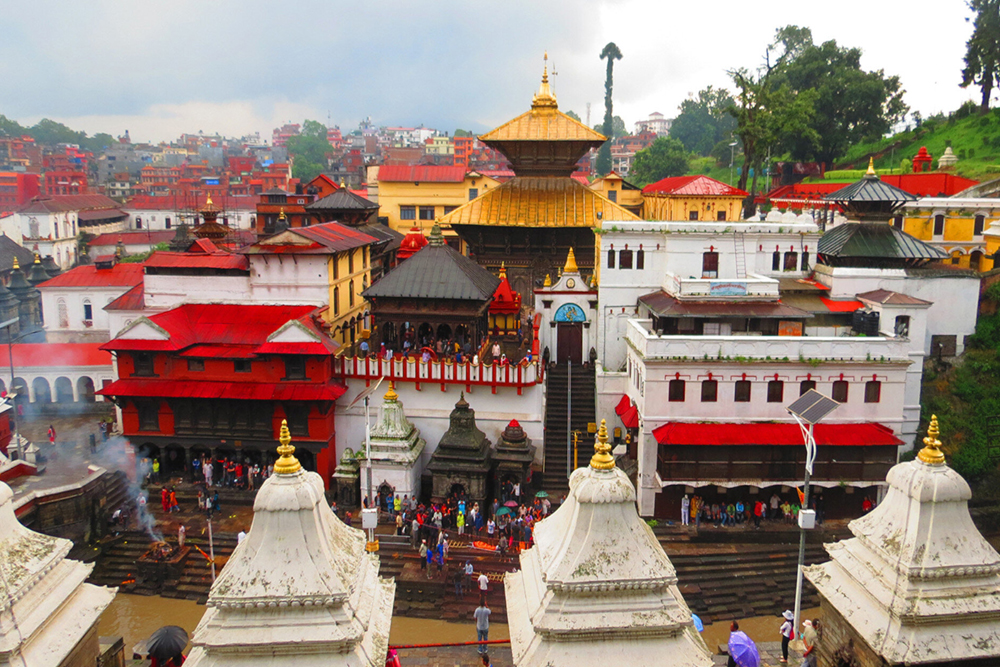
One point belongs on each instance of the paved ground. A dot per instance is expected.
(464, 656)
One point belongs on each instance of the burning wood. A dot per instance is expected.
(159, 551)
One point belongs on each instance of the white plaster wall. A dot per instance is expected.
(954, 298)
(561, 294)
(289, 280)
(165, 291)
(157, 219)
(99, 297)
(610, 388)
(430, 408)
(51, 373)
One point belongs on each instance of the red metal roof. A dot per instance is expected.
(631, 417)
(225, 325)
(119, 275)
(856, 434)
(202, 351)
(202, 254)
(505, 299)
(57, 355)
(424, 173)
(150, 237)
(699, 186)
(335, 236)
(134, 299)
(64, 203)
(249, 391)
(923, 185)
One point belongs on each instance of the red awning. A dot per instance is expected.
(631, 417)
(858, 434)
(623, 405)
(250, 391)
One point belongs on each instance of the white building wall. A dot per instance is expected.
(157, 218)
(75, 300)
(289, 280)
(167, 291)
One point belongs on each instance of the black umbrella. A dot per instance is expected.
(167, 642)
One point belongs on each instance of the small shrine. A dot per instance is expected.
(922, 160)
(210, 228)
(918, 583)
(505, 310)
(512, 458)
(597, 587)
(461, 461)
(396, 447)
(48, 613)
(301, 589)
(948, 159)
(411, 244)
(568, 306)
(346, 479)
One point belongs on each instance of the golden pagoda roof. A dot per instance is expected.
(538, 201)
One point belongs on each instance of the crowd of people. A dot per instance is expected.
(459, 348)
(230, 473)
(696, 510)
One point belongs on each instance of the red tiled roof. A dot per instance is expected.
(857, 434)
(64, 203)
(892, 298)
(248, 391)
(101, 214)
(425, 173)
(222, 325)
(335, 236)
(54, 355)
(149, 236)
(134, 299)
(580, 177)
(119, 275)
(202, 254)
(700, 186)
(505, 299)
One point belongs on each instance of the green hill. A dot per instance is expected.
(974, 139)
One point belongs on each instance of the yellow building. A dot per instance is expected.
(416, 196)
(620, 191)
(308, 263)
(692, 198)
(957, 225)
(439, 146)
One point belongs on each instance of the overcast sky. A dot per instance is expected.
(162, 68)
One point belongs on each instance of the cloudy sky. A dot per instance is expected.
(161, 68)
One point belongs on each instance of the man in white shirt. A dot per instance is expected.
(484, 585)
(240, 537)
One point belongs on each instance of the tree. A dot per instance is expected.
(665, 157)
(704, 121)
(982, 51)
(852, 105)
(314, 128)
(574, 116)
(767, 115)
(611, 53)
(10, 128)
(618, 128)
(309, 148)
(462, 133)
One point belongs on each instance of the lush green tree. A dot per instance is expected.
(618, 128)
(767, 115)
(98, 143)
(50, 132)
(611, 53)
(574, 116)
(851, 106)
(704, 121)
(665, 157)
(314, 128)
(463, 133)
(11, 128)
(309, 150)
(982, 51)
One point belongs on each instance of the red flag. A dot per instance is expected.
(802, 496)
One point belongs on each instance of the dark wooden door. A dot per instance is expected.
(570, 343)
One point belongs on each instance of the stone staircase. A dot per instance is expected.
(558, 388)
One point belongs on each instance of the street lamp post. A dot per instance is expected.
(732, 160)
(807, 409)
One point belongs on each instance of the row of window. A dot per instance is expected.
(978, 224)
(425, 212)
(295, 367)
(350, 263)
(625, 259)
(775, 391)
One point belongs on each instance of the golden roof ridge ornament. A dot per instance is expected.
(38, 257)
(17, 265)
(208, 200)
(391, 395)
(602, 458)
(286, 464)
(281, 215)
(544, 100)
(571, 266)
(503, 270)
(931, 454)
(871, 168)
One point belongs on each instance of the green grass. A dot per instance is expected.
(708, 167)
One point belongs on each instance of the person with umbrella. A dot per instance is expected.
(742, 651)
(165, 647)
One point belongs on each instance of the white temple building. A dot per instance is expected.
(597, 587)
(48, 615)
(300, 589)
(917, 584)
(396, 447)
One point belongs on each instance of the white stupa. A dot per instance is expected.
(917, 582)
(597, 588)
(300, 590)
(396, 447)
(47, 612)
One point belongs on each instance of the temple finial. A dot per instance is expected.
(602, 458)
(281, 214)
(286, 463)
(931, 453)
(391, 394)
(503, 270)
(871, 167)
(17, 265)
(571, 266)
(547, 283)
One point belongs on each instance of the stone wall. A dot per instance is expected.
(86, 652)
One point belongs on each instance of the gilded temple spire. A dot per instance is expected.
(544, 99)
(931, 453)
(602, 458)
(571, 266)
(871, 167)
(391, 395)
(286, 464)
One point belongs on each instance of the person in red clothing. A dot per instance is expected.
(758, 513)
(239, 475)
(165, 500)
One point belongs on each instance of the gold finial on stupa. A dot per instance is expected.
(871, 167)
(571, 266)
(547, 283)
(17, 265)
(931, 453)
(544, 98)
(208, 201)
(391, 394)
(38, 258)
(342, 186)
(286, 463)
(281, 215)
(602, 458)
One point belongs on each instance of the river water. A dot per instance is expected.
(135, 617)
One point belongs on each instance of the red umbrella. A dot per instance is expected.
(510, 503)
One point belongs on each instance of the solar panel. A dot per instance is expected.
(812, 406)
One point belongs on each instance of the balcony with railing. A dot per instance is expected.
(440, 371)
(752, 286)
